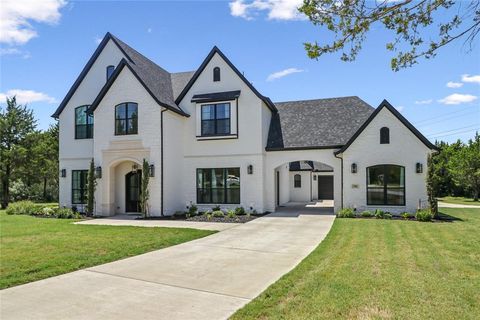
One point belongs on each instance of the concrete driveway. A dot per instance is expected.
(208, 278)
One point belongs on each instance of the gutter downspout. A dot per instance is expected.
(341, 183)
(161, 161)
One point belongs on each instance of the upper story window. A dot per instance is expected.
(384, 135)
(386, 185)
(215, 119)
(126, 118)
(83, 123)
(110, 70)
(297, 181)
(216, 74)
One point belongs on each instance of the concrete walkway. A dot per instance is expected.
(208, 278)
(455, 205)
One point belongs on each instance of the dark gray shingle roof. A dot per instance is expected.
(309, 166)
(317, 123)
(179, 81)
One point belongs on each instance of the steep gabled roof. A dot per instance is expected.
(402, 119)
(162, 85)
(316, 124)
(205, 62)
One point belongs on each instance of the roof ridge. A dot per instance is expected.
(318, 99)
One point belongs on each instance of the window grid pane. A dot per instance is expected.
(386, 185)
(218, 185)
(79, 186)
(83, 123)
(215, 119)
(126, 118)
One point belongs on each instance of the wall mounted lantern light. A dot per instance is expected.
(152, 170)
(63, 173)
(354, 168)
(250, 169)
(134, 168)
(98, 172)
(419, 167)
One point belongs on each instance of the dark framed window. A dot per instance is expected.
(79, 186)
(384, 135)
(218, 185)
(110, 70)
(386, 185)
(297, 181)
(126, 118)
(216, 74)
(83, 123)
(215, 119)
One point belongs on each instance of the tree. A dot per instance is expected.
(144, 194)
(91, 186)
(431, 178)
(465, 166)
(16, 123)
(414, 24)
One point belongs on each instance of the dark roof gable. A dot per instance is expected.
(402, 119)
(205, 62)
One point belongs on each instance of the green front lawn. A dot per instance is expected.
(459, 200)
(383, 269)
(37, 248)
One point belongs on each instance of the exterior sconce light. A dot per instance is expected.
(354, 168)
(63, 173)
(250, 169)
(98, 172)
(134, 168)
(152, 170)
(314, 177)
(419, 167)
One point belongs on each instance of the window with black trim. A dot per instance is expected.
(110, 70)
(216, 74)
(83, 123)
(126, 118)
(384, 135)
(297, 181)
(79, 186)
(386, 185)
(215, 119)
(218, 185)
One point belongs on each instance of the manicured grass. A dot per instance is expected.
(383, 269)
(459, 200)
(37, 248)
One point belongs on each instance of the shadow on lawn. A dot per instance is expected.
(447, 218)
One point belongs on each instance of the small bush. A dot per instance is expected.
(192, 210)
(216, 208)
(67, 213)
(387, 215)
(231, 214)
(405, 215)
(379, 214)
(218, 214)
(208, 215)
(367, 214)
(48, 212)
(346, 213)
(240, 211)
(424, 215)
(22, 207)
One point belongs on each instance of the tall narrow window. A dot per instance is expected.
(218, 185)
(126, 118)
(79, 186)
(83, 123)
(110, 70)
(297, 181)
(216, 74)
(386, 185)
(216, 119)
(384, 135)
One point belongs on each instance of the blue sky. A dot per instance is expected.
(42, 63)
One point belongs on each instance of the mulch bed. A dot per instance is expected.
(203, 218)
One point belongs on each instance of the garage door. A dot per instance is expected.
(325, 187)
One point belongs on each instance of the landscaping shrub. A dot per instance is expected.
(22, 207)
(387, 215)
(379, 214)
(67, 213)
(216, 208)
(405, 215)
(346, 213)
(192, 211)
(424, 215)
(239, 211)
(48, 212)
(231, 214)
(367, 214)
(218, 214)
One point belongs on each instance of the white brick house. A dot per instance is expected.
(212, 138)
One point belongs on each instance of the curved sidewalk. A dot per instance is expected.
(208, 278)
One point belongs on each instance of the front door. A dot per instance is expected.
(133, 182)
(325, 187)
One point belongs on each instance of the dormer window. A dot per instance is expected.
(216, 74)
(110, 70)
(384, 135)
(215, 119)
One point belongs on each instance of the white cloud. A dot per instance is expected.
(14, 52)
(469, 78)
(16, 17)
(149, 30)
(277, 9)
(457, 98)
(283, 73)
(428, 101)
(97, 39)
(26, 96)
(452, 84)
